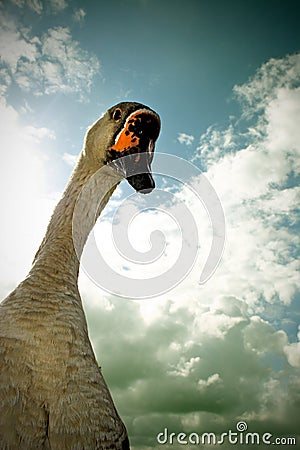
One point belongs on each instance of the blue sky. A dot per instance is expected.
(225, 79)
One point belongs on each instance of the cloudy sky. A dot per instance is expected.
(225, 79)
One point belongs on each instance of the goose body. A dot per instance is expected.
(52, 392)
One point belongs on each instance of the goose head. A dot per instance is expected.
(124, 138)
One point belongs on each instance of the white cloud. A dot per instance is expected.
(283, 133)
(215, 324)
(39, 6)
(14, 46)
(79, 15)
(186, 139)
(211, 380)
(260, 336)
(70, 159)
(253, 176)
(65, 66)
(38, 133)
(190, 379)
(184, 368)
(46, 64)
(269, 78)
(141, 227)
(5, 81)
(35, 5)
(213, 143)
(292, 352)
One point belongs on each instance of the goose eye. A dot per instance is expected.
(117, 114)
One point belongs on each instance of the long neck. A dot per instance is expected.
(57, 256)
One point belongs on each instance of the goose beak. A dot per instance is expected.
(138, 170)
(133, 150)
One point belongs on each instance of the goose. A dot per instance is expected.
(52, 392)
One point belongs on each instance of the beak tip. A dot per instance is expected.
(146, 190)
(142, 183)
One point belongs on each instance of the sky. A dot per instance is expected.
(225, 79)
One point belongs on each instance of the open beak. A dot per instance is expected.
(133, 150)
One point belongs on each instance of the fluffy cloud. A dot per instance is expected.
(170, 373)
(255, 177)
(186, 139)
(292, 352)
(35, 5)
(46, 64)
(14, 46)
(39, 6)
(263, 87)
(79, 15)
